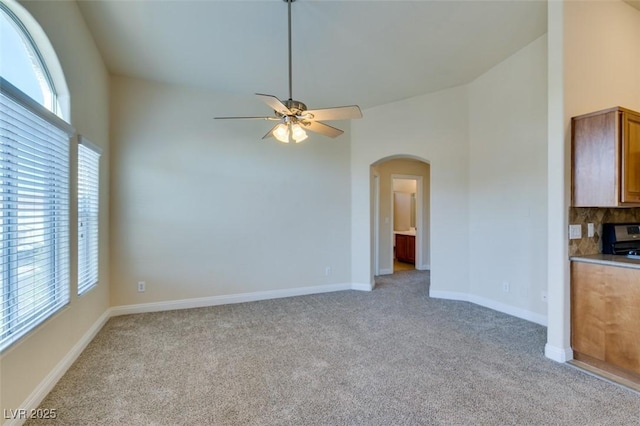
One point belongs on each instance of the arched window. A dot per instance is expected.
(34, 177)
(22, 63)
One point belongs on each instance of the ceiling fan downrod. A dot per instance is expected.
(290, 66)
(293, 116)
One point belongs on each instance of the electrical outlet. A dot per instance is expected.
(142, 286)
(327, 271)
(506, 287)
(543, 296)
(575, 232)
(590, 230)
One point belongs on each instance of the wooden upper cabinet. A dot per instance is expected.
(605, 151)
(631, 157)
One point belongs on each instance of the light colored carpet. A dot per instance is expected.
(390, 357)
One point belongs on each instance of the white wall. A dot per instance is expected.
(602, 56)
(432, 128)
(594, 64)
(507, 182)
(202, 207)
(486, 145)
(27, 364)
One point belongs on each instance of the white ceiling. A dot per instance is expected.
(344, 52)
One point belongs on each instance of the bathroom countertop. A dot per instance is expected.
(409, 232)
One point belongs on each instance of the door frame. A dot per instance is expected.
(419, 214)
(376, 224)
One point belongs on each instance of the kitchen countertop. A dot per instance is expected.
(608, 259)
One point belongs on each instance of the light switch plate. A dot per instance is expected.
(575, 232)
(590, 230)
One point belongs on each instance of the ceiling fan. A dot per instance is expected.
(294, 118)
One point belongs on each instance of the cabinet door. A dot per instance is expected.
(401, 247)
(588, 309)
(411, 249)
(622, 341)
(631, 158)
(595, 157)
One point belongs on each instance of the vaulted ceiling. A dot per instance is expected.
(344, 52)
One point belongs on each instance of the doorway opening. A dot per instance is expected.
(400, 212)
(404, 216)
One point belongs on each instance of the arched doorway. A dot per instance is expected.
(387, 229)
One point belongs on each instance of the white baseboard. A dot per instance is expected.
(202, 302)
(558, 354)
(418, 267)
(491, 304)
(362, 287)
(37, 396)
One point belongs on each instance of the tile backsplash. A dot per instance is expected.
(584, 215)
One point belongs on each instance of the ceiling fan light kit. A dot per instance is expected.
(286, 132)
(293, 117)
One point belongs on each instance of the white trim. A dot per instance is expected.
(423, 268)
(227, 299)
(558, 188)
(449, 295)
(491, 304)
(386, 271)
(22, 99)
(392, 225)
(42, 390)
(376, 224)
(558, 354)
(362, 287)
(82, 140)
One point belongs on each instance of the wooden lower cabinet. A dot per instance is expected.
(588, 309)
(605, 317)
(406, 248)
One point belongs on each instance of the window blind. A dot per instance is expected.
(88, 210)
(34, 214)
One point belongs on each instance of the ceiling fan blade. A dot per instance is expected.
(323, 129)
(337, 113)
(246, 118)
(270, 132)
(274, 103)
